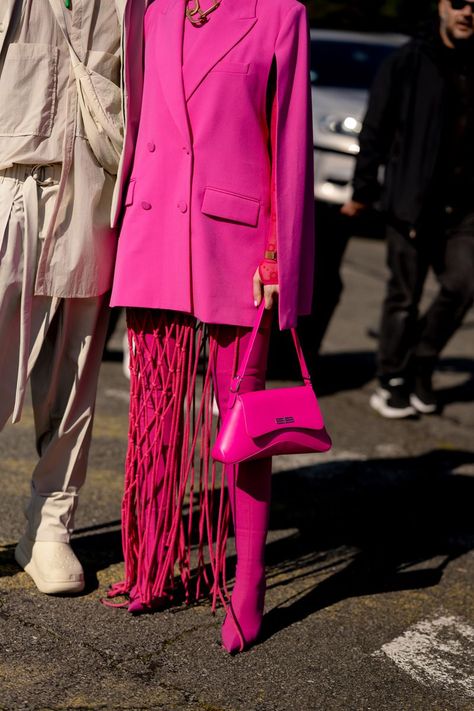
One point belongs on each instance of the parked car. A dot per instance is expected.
(343, 66)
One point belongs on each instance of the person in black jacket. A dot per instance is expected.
(420, 126)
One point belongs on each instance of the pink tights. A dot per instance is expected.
(249, 484)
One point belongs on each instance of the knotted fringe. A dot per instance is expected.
(175, 512)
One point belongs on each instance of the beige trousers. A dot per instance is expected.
(55, 343)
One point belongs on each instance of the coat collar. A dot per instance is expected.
(169, 53)
(124, 5)
(232, 21)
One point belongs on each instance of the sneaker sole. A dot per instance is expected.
(391, 413)
(422, 407)
(25, 561)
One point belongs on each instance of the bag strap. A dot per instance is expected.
(237, 379)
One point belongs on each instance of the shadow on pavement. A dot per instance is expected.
(367, 527)
(8, 566)
(463, 392)
(339, 372)
(363, 528)
(98, 547)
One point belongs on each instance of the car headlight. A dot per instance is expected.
(346, 126)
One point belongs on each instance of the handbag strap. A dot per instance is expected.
(237, 379)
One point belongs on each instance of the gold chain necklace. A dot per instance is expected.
(197, 16)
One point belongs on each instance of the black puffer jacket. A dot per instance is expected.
(403, 129)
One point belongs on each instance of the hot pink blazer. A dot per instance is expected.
(195, 190)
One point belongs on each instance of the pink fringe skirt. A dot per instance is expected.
(175, 511)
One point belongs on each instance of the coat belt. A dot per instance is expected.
(34, 177)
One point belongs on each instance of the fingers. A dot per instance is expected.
(348, 210)
(257, 289)
(353, 208)
(270, 292)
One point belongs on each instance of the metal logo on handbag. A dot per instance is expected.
(254, 425)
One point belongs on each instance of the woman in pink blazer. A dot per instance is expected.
(215, 194)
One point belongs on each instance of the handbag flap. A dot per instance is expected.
(270, 410)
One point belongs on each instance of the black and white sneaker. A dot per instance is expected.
(391, 400)
(423, 397)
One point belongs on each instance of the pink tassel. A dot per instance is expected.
(169, 469)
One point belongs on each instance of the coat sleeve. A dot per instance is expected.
(120, 8)
(7, 8)
(293, 168)
(377, 133)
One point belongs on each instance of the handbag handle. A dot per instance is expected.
(237, 379)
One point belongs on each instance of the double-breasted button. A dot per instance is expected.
(182, 206)
(146, 205)
(2, 27)
(151, 146)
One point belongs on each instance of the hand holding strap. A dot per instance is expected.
(237, 379)
(268, 271)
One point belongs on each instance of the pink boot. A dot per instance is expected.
(250, 506)
(249, 487)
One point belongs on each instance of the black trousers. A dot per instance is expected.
(446, 245)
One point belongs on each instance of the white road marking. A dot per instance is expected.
(437, 652)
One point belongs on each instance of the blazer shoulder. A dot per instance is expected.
(281, 7)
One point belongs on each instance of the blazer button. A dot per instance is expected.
(146, 205)
(151, 146)
(182, 206)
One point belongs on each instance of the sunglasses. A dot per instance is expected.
(461, 4)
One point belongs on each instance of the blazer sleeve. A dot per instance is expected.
(293, 168)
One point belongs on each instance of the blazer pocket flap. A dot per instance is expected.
(130, 193)
(272, 410)
(231, 206)
(232, 67)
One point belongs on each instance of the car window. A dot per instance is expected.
(350, 65)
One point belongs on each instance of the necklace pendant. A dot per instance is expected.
(67, 4)
(197, 16)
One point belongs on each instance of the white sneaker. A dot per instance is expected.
(391, 401)
(52, 565)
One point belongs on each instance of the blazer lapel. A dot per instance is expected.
(169, 54)
(230, 23)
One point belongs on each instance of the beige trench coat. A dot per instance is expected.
(132, 13)
(79, 245)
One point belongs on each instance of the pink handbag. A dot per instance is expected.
(264, 423)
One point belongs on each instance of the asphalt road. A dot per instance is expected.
(370, 561)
